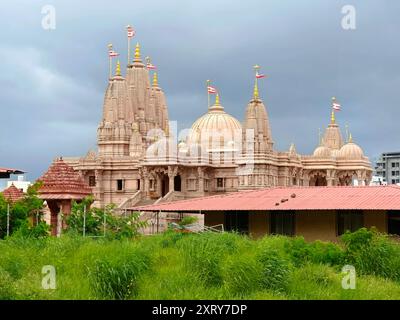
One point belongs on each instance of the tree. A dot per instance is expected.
(98, 221)
(28, 208)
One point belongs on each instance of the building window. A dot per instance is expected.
(151, 184)
(237, 221)
(92, 181)
(349, 220)
(220, 182)
(120, 185)
(283, 223)
(191, 185)
(206, 185)
(393, 219)
(393, 181)
(393, 164)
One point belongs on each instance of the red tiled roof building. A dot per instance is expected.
(13, 194)
(60, 186)
(316, 213)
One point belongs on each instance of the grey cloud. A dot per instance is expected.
(52, 82)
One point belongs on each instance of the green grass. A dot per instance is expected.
(206, 266)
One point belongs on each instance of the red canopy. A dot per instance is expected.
(291, 198)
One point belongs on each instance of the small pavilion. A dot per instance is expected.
(13, 194)
(61, 185)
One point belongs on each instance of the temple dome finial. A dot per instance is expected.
(155, 80)
(118, 69)
(137, 52)
(333, 120)
(217, 100)
(256, 96)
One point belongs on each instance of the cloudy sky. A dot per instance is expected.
(52, 81)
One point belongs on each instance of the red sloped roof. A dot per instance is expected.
(13, 194)
(291, 198)
(61, 181)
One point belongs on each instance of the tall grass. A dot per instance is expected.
(205, 266)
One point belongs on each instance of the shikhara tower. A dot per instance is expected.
(139, 161)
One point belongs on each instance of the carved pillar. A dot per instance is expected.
(98, 190)
(306, 179)
(330, 178)
(171, 175)
(201, 179)
(146, 182)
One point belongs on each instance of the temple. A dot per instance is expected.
(141, 160)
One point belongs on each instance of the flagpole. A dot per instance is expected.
(208, 93)
(256, 68)
(129, 44)
(110, 60)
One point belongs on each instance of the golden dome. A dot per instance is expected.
(322, 152)
(351, 151)
(216, 129)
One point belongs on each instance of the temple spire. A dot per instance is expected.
(333, 120)
(217, 100)
(137, 52)
(350, 138)
(118, 69)
(155, 80)
(255, 90)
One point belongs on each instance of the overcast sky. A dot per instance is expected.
(52, 82)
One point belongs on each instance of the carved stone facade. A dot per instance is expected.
(139, 159)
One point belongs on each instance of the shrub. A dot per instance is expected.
(114, 274)
(188, 220)
(313, 281)
(372, 253)
(242, 274)
(7, 288)
(203, 254)
(275, 269)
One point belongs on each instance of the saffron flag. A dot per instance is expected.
(112, 53)
(131, 32)
(260, 75)
(211, 89)
(336, 106)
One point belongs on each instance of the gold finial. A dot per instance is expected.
(256, 90)
(217, 99)
(350, 138)
(137, 51)
(347, 131)
(118, 69)
(110, 46)
(333, 117)
(155, 80)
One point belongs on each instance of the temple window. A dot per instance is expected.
(120, 185)
(92, 181)
(220, 182)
